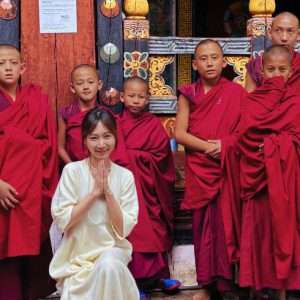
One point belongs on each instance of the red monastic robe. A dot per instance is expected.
(212, 187)
(73, 117)
(146, 152)
(28, 161)
(270, 185)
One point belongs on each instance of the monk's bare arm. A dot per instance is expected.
(62, 152)
(181, 126)
(250, 85)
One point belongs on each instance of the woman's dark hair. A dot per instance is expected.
(93, 117)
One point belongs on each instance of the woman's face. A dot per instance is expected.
(100, 142)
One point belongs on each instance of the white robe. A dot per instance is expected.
(91, 262)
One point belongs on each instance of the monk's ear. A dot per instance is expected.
(22, 68)
(194, 65)
(72, 89)
(100, 85)
(269, 33)
(224, 64)
(122, 97)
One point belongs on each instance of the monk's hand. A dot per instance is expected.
(214, 149)
(8, 195)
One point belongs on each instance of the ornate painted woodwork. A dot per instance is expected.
(9, 22)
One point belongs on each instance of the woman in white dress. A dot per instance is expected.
(96, 207)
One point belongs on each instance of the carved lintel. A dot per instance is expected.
(258, 26)
(136, 29)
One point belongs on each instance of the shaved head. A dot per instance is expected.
(285, 30)
(92, 68)
(276, 51)
(7, 47)
(277, 61)
(286, 16)
(207, 42)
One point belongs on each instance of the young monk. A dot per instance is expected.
(96, 206)
(28, 175)
(150, 159)
(270, 168)
(85, 85)
(284, 31)
(207, 116)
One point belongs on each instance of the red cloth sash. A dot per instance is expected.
(28, 161)
(146, 152)
(270, 159)
(215, 115)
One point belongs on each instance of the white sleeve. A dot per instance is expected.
(128, 204)
(65, 197)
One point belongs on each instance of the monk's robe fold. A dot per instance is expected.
(28, 161)
(143, 147)
(73, 117)
(270, 169)
(215, 115)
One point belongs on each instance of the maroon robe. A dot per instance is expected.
(270, 183)
(212, 187)
(73, 117)
(28, 161)
(147, 154)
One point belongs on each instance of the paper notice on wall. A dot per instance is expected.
(58, 16)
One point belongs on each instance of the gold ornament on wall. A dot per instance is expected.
(157, 84)
(239, 66)
(136, 9)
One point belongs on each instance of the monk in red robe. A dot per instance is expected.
(28, 176)
(270, 182)
(284, 31)
(147, 154)
(207, 117)
(85, 85)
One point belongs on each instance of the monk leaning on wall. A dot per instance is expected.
(28, 175)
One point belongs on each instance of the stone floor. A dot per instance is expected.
(182, 295)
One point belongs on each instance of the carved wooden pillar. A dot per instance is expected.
(9, 23)
(136, 35)
(259, 24)
(110, 48)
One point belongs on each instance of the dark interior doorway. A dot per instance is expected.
(209, 17)
(292, 6)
